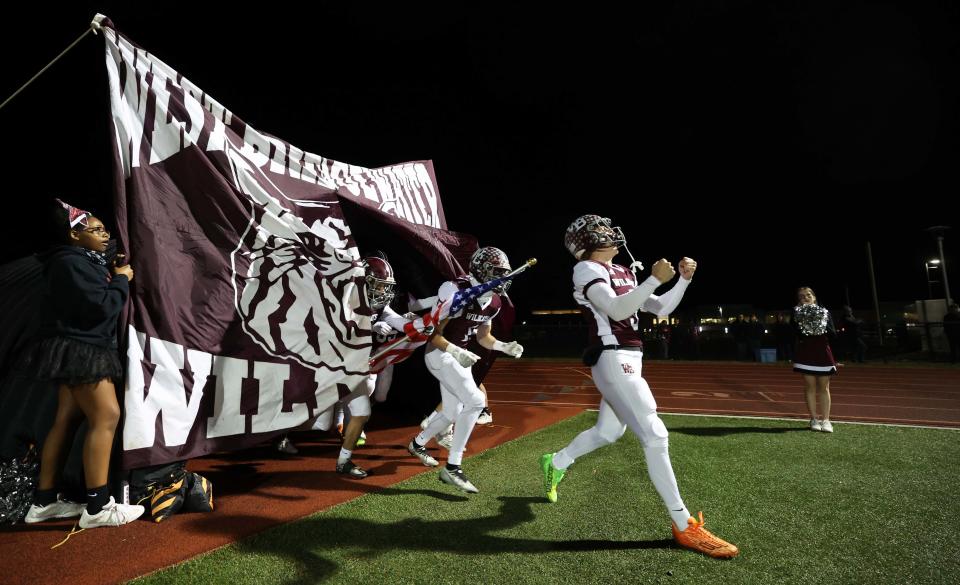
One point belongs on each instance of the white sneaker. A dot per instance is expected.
(58, 509)
(287, 447)
(112, 514)
(486, 417)
(826, 427)
(815, 425)
(458, 479)
(421, 454)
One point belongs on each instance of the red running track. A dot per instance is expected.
(864, 393)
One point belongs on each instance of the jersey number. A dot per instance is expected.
(472, 332)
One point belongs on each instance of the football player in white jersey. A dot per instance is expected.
(609, 297)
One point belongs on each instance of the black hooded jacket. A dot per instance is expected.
(83, 299)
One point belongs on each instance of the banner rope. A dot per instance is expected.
(94, 28)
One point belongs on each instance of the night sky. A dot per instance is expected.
(770, 142)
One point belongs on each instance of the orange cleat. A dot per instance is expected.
(698, 538)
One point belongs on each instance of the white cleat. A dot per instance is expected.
(486, 417)
(458, 479)
(421, 454)
(287, 447)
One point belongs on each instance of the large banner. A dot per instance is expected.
(246, 309)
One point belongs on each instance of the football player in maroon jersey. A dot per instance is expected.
(379, 286)
(450, 362)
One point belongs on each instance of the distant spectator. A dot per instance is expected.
(951, 328)
(783, 334)
(852, 336)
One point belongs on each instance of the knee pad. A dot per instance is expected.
(609, 436)
(655, 434)
(359, 406)
(476, 401)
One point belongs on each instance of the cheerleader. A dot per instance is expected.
(77, 350)
(813, 357)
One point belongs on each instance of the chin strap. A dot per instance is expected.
(635, 264)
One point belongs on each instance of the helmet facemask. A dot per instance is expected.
(380, 282)
(591, 232)
(490, 263)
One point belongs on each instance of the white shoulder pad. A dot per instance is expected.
(587, 271)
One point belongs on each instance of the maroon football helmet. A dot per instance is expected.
(380, 282)
(488, 263)
(589, 232)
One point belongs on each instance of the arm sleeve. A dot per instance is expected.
(594, 281)
(666, 303)
(392, 318)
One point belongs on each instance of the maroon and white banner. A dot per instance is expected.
(246, 308)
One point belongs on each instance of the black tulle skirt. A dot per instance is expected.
(68, 361)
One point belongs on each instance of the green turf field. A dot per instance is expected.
(867, 504)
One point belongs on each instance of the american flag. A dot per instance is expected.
(417, 332)
(464, 297)
(402, 347)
